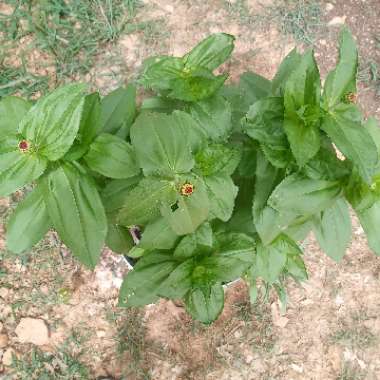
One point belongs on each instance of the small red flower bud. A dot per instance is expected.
(23, 145)
(351, 97)
(187, 189)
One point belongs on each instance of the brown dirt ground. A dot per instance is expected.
(331, 329)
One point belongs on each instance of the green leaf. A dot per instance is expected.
(196, 137)
(112, 157)
(342, 80)
(159, 73)
(301, 99)
(326, 164)
(214, 117)
(179, 282)
(12, 110)
(217, 158)
(29, 223)
(333, 229)
(140, 286)
(205, 303)
(158, 235)
(270, 223)
(114, 193)
(89, 127)
(288, 65)
(370, 221)
(255, 86)
(118, 110)
(304, 196)
(77, 212)
(295, 266)
(191, 211)
(18, 168)
(235, 253)
(344, 128)
(161, 104)
(161, 147)
(196, 84)
(119, 239)
(267, 177)
(52, 124)
(304, 140)
(271, 259)
(142, 203)
(170, 77)
(198, 242)
(264, 123)
(250, 89)
(241, 220)
(373, 128)
(211, 52)
(221, 193)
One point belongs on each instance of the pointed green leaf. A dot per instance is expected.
(112, 157)
(158, 235)
(76, 211)
(161, 147)
(119, 239)
(333, 229)
(211, 52)
(221, 193)
(118, 110)
(214, 117)
(140, 286)
(304, 196)
(29, 223)
(89, 127)
(264, 122)
(114, 193)
(142, 204)
(18, 168)
(271, 259)
(370, 221)
(301, 99)
(196, 243)
(235, 253)
(52, 124)
(12, 110)
(205, 303)
(216, 159)
(344, 128)
(179, 282)
(342, 80)
(288, 65)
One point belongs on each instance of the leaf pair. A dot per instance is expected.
(193, 271)
(190, 78)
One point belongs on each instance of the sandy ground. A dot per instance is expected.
(331, 329)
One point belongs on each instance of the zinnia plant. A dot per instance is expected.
(222, 180)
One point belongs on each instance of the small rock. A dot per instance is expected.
(7, 357)
(296, 368)
(337, 21)
(31, 330)
(4, 293)
(329, 7)
(100, 333)
(323, 42)
(3, 340)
